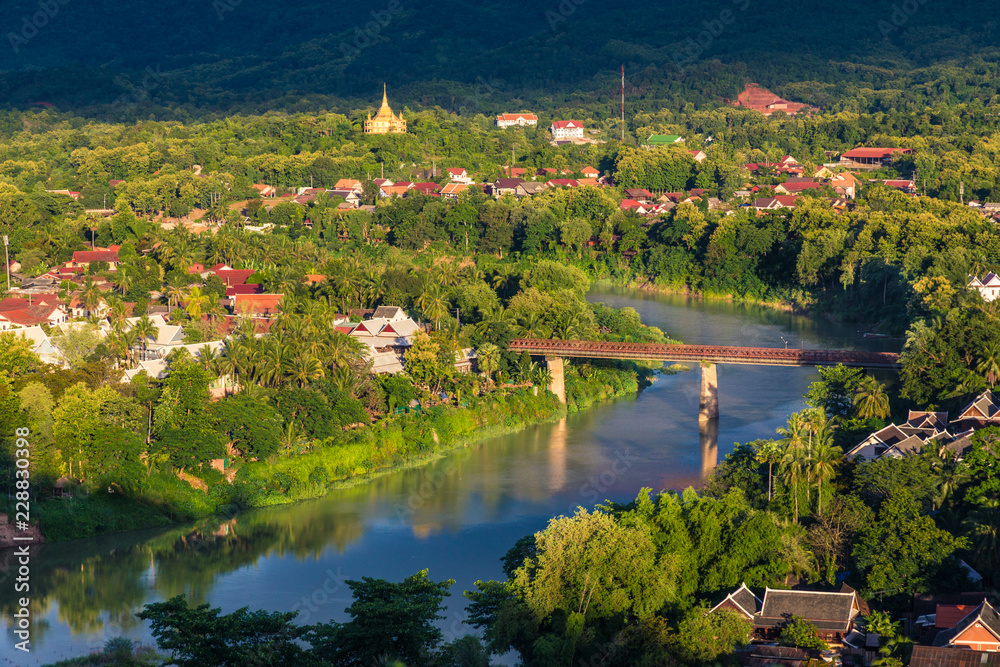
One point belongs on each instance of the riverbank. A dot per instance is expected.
(350, 458)
(797, 308)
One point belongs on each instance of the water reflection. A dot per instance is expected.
(708, 436)
(557, 456)
(457, 514)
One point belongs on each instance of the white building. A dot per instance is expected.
(988, 287)
(506, 120)
(567, 129)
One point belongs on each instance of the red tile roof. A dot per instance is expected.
(244, 289)
(257, 304)
(563, 183)
(560, 124)
(880, 153)
(87, 256)
(231, 277)
(948, 615)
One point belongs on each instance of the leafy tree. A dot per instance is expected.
(200, 636)
(903, 550)
(800, 633)
(387, 619)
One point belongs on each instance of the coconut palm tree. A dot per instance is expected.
(90, 295)
(304, 368)
(871, 398)
(488, 359)
(434, 303)
(145, 330)
(196, 302)
(504, 277)
(793, 449)
(770, 453)
(824, 459)
(989, 365)
(175, 294)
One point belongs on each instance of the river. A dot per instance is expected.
(455, 516)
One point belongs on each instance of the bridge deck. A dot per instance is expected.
(759, 356)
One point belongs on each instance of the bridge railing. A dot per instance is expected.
(705, 352)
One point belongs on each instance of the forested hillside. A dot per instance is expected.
(129, 59)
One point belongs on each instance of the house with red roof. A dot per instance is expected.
(757, 98)
(19, 313)
(84, 258)
(699, 156)
(257, 305)
(459, 175)
(231, 277)
(909, 187)
(567, 129)
(506, 120)
(871, 158)
(633, 205)
(590, 172)
(978, 629)
(427, 188)
(775, 203)
(562, 183)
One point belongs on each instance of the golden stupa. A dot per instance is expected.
(385, 122)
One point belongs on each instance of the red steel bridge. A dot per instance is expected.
(716, 354)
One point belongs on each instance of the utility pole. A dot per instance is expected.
(6, 253)
(623, 103)
(458, 318)
(961, 192)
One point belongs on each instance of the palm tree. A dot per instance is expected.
(196, 302)
(989, 366)
(792, 455)
(824, 458)
(504, 278)
(434, 303)
(488, 359)
(145, 330)
(305, 368)
(90, 295)
(124, 280)
(770, 453)
(175, 294)
(209, 360)
(871, 398)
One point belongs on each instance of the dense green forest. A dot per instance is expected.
(231, 55)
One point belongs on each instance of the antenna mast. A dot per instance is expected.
(623, 103)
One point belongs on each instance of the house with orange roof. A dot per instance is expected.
(590, 172)
(506, 120)
(349, 184)
(265, 190)
(452, 190)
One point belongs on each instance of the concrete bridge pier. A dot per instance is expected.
(709, 406)
(557, 385)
